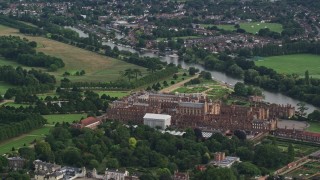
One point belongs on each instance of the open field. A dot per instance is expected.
(252, 27)
(314, 127)
(4, 86)
(297, 63)
(26, 139)
(52, 119)
(97, 67)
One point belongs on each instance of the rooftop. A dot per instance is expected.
(156, 116)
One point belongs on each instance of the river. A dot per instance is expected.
(270, 97)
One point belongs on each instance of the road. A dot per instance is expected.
(177, 85)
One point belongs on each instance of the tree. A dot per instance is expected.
(301, 109)
(193, 71)
(290, 153)
(314, 116)
(240, 89)
(137, 73)
(248, 169)
(129, 73)
(240, 134)
(132, 142)
(175, 76)
(306, 78)
(43, 151)
(244, 153)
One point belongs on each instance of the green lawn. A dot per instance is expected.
(191, 89)
(314, 127)
(297, 63)
(16, 105)
(118, 94)
(4, 87)
(52, 119)
(252, 27)
(218, 92)
(19, 142)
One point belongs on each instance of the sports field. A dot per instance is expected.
(98, 68)
(297, 63)
(252, 27)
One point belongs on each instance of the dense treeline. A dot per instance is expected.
(30, 82)
(22, 77)
(4, 20)
(66, 101)
(63, 34)
(122, 84)
(14, 123)
(114, 145)
(23, 52)
(27, 90)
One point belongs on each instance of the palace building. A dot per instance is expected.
(197, 110)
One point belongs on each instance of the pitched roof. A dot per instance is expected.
(88, 121)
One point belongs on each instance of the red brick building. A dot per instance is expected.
(89, 122)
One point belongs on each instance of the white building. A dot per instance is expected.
(157, 120)
(115, 174)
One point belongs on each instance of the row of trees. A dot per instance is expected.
(74, 101)
(22, 77)
(14, 123)
(23, 52)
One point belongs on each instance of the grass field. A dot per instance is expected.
(252, 27)
(16, 105)
(98, 68)
(118, 94)
(314, 127)
(191, 89)
(297, 63)
(26, 139)
(52, 119)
